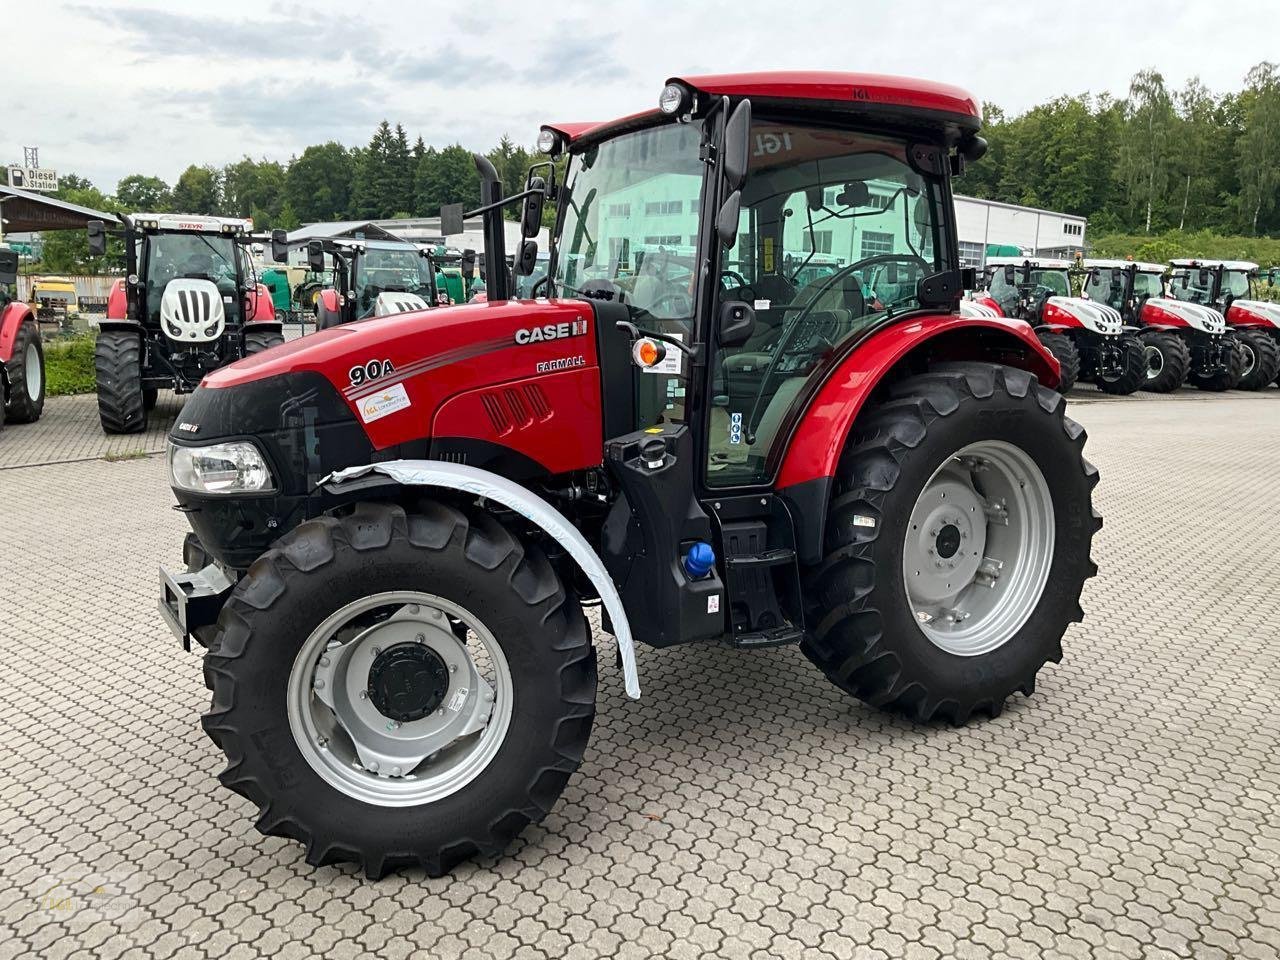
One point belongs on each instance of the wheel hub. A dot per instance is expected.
(1155, 362)
(408, 681)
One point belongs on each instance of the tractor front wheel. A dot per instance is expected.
(1227, 377)
(400, 689)
(1067, 355)
(117, 361)
(1167, 361)
(1261, 358)
(25, 371)
(957, 544)
(1133, 369)
(255, 341)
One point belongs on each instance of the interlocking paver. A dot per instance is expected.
(741, 808)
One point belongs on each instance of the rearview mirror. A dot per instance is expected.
(1117, 276)
(279, 246)
(8, 267)
(1202, 278)
(97, 238)
(468, 263)
(737, 145)
(727, 219)
(855, 194)
(315, 256)
(451, 219)
(737, 321)
(1186, 280)
(531, 215)
(526, 258)
(1010, 274)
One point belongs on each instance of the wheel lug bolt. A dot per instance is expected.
(413, 608)
(421, 638)
(324, 661)
(364, 694)
(322, 743)
(453, 668)
(395, 771)
(373, 766)
(318, 683)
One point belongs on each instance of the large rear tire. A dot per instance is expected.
(1167, 361)
(1068, 357)
(1262, 358)
(1133, 369)
(255, 341)
(1010, 545)
(325, 768)
(25, 371)
(1223, 380)
(117, 361)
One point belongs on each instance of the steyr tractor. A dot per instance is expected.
(368, 277)
(21, 352)
(190, 302)
(1088, 338)
(1226, 286)
(397, 524)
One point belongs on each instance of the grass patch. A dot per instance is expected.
(68, 366)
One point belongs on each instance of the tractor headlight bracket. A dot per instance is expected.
(225, 469)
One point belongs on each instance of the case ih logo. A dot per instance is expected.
(552, 331)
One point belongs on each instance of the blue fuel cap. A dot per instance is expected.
(699, 560)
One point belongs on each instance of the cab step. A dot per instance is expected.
(761, 639)
(762, 584)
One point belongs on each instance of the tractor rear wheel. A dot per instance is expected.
(25, 371)
(400, 689)
(1261, 361)
(1167, 360)
(1227, 379)
(1068, 357)
(957, 544)
(255, 341)
(1133, 369)
(117, 361)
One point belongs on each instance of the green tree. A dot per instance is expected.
(67, 251)
(1258, 151)
(139, 193)
(1144, 144)
(197, 191)
(318, 184)
(446, 176)
(250, 185)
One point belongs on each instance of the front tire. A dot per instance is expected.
(312, 767)
(25, 371)
(872, 634)
(1067, 355)
(1167, 361)
(255, 341)
(1133, 369)
(117, 361)
(1262, 358)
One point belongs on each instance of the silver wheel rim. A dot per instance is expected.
(1155, 362)
(1250, 359)
(368, 755)
(978, 549)
(33, 371)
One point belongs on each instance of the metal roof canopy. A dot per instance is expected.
(27, 212)
(343, 229)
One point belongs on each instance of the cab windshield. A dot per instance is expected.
(196, 256)
(1192, 285)
(381, 270)
(1041, 283)
(1235, 284)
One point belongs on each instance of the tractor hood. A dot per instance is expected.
(1164, 311)
(1078, 312)
(1254, 313)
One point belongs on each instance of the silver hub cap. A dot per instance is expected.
(978, 548)
(400, 699)
(1155, 362)
(32, 371)
(1250, 358)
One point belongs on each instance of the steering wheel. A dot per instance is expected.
(683, 305)
(793, 323)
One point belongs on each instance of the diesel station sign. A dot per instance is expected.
(33, 178)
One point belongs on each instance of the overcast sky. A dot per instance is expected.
(111, 87)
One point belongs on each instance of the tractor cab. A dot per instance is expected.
(1123, 285)
(1022, 285)
(1233, 288)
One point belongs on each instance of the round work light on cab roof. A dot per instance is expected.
(673, 99)
(548, 142)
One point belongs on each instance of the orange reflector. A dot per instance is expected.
(648, 353)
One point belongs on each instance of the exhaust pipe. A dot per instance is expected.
(497, 278)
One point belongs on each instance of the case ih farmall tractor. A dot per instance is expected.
(397, 523)
(190, 302)
(1226, 286)
(21, 352)
(369, 278)
(1088, 338)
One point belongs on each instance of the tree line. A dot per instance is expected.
(1176, 164)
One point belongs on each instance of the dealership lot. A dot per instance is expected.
(742, 807)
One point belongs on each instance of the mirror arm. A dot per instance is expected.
(501, 203)
(693, 352)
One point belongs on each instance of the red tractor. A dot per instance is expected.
(397, 524)
(190, 302)
(1226, 286)
(1088, 338)
(21, 352)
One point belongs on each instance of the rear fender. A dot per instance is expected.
(490, 486)
(11, 319)
(819, 435)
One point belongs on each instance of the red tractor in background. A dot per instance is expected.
(190, 302)
(22, 385)
(1226, 286)
(1088, 338)
(396, 524)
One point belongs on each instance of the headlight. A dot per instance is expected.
(234, 467)
(672, 98)
(547, 141)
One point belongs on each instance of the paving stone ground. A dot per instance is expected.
(742, 808)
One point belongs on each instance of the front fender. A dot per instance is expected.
(818, 438)
(261, 309)
(11, 319)
(117, 302)
(482, 483)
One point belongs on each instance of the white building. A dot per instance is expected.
(982, 224)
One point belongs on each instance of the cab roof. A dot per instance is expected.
(915, 102)
(1142, 267)
(1228, 264)
(1039, 263)
(191, 222)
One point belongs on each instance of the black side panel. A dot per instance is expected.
(807, 503)
(617, 372)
